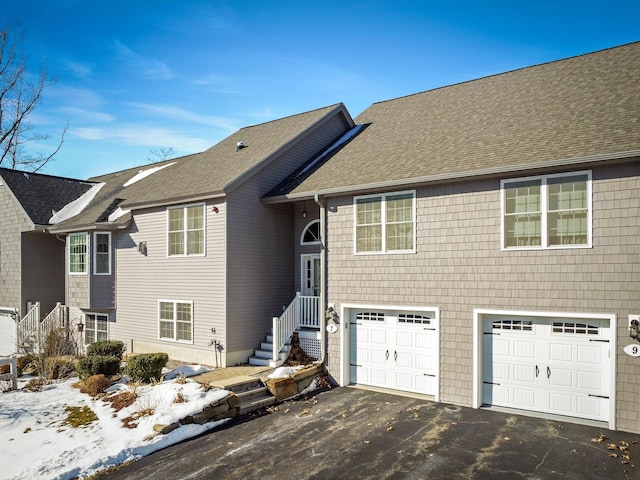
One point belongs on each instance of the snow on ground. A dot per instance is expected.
(37, 444)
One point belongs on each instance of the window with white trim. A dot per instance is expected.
(175, 321)
(547, 211)
(96, 327)
(385, 223)
(102, 253)
(186, 230)
(78, 253)
(311, 234)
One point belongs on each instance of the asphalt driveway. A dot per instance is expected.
(348, 433)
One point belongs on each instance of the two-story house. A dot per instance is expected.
(481, 241)
(182, 256)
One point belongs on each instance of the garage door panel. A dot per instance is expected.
(566, 363)
(589, 380)
(524, 349)
(589, 354)
(523, 398)
(562, 352)
(561, 377)
(524, 373)
(399, 350)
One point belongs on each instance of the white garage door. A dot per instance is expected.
(7, 335)
(394, 349)
(552, 365)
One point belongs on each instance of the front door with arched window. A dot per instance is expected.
(310, 262)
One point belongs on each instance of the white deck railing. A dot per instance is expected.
(301, 312)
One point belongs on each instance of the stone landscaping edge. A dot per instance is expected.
(229, 406)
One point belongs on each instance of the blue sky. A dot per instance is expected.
(138, 75)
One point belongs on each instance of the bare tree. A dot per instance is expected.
(160, 154)
(19, 96)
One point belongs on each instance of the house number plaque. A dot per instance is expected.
(632, 349)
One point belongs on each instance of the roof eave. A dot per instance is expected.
(98, 226)
(447, 177)
(172, 201)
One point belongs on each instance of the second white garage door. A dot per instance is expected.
(394, 349)
(550, 365)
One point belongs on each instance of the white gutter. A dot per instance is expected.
(323, 278)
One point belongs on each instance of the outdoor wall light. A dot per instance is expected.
(633, 328)
(80, 327)
(142, 248)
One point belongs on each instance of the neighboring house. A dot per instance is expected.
(483, 241)
(31, 260)
(182, 256)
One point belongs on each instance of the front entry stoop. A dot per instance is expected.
(251, 391)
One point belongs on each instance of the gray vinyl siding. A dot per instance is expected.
(103, 287)
(144, 280)
(13, 221)
(78, 285)
(261, 276)
(459, 266)
(43, 270)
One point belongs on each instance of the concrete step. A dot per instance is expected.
(257, 403)
(253, 394)
(259, 361)
(263, 353)
(238, 385)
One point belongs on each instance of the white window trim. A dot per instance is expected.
(84, 336)
(87, 255)
(175, 329)
(544, 211)
(478, 318)
(304, 230)
(204, 240)
(383, 219)
(95, 253)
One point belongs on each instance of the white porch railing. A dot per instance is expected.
(28, 327)
(32, 331)
(301, 312)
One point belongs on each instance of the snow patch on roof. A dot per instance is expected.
(145, 173)
(77, 206)
(117, 213)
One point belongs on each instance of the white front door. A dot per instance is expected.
(550, 365)
(394, 349)
(310, 281)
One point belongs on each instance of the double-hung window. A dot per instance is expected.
(547, 211)
(175, 320)
(186, 230)
(385, 223)
(78, 253)
(95, 327)
(102, 253)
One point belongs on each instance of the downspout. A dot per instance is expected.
(322, 307)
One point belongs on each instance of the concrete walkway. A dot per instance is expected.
(223, 377)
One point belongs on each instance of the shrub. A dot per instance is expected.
(59, 367)
(96, 384)
(98, 364)
(106, 348)
(146, 366)
(23, 362)
(59, 342)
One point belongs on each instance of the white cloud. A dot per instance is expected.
(143, 135)
(177, 113)
(80, 70)
(149, 67)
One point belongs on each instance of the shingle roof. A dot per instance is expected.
(206, 174)
(41, 195)
(585, 106)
